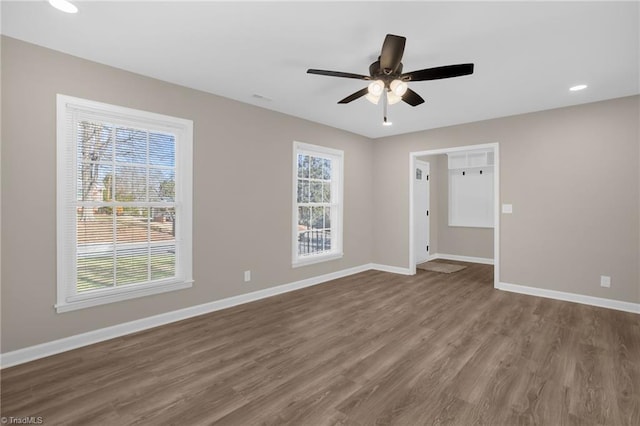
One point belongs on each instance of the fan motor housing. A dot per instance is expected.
(387, 76)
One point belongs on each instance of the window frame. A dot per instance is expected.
(337, 190)
(66, 201)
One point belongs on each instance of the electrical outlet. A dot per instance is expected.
(605, 281)
(247, 276)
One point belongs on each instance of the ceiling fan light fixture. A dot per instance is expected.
(387, 80)
(64, 6)
(392, 98)
(376, 87)
(398, 87)
(373, 99)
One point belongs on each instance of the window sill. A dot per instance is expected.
(315, 259)
(125, 294)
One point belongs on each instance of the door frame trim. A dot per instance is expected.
(413, 156)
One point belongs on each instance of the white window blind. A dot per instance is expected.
(317, 204)
(124, 203)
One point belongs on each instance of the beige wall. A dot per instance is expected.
(572, 177)
(242, 192)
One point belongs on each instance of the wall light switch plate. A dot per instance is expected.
(247, 276)
(605, 281)
(507, 208)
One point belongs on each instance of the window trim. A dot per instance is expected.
(66, 185)
(337, 253)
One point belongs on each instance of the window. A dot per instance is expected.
(124, 190)
(317, 185)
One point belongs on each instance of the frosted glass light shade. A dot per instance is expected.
(392, 98)
(376, 87)
(373, 99)
(398, 87)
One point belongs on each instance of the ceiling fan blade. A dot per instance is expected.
(354, 96)
(412, 98)
(437, 73)
(392, 50)
(339, 74)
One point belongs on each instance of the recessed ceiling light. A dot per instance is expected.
(64, 5)
(578, 87)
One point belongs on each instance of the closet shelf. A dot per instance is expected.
(468, 159)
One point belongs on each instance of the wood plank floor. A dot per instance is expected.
(372, 348)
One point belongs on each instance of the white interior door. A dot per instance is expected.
(421, 215)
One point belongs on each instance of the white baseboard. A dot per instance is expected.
(572, 297)
(392, 269)
(31, 353)
(444, 256)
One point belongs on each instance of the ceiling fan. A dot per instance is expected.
(387, 79)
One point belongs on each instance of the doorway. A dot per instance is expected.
(415, 220)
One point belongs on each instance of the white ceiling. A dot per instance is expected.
(526, 54)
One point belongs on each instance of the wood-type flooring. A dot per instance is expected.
(373, 348)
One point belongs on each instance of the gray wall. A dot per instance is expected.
(572, 177)
(242, 192)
